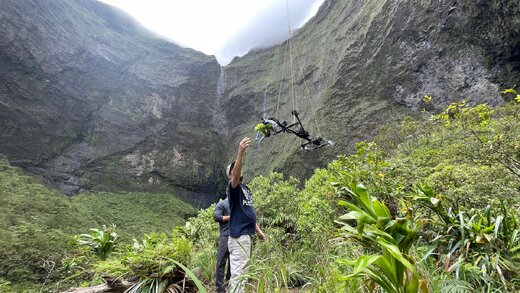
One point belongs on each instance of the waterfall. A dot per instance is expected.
(219, 118)
(221, 84)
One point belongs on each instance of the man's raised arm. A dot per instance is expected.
(236, 173)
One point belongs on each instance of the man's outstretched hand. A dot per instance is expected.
(244, 144)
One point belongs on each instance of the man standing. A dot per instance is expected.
(221, 216)
(242, 224)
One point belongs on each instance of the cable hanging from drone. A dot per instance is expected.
(273, 126)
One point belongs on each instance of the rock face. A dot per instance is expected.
(90, 100)
(358, 66)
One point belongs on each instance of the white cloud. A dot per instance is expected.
(225, 28)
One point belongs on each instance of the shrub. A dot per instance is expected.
(389, 240)
(101, 241)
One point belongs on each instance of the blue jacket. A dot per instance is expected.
(222, 209)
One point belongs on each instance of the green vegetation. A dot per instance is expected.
(135, 214)
(437, 212)
(430, 206)
(263, 129)
(101, 241)
(35, 225)
(392, 239)
(38, 225)
(156, 261)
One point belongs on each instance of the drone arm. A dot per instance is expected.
(295, 114)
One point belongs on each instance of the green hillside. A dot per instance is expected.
(135, 213)
(430, 206)
(37, 223)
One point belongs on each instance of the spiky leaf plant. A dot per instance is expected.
(386, 241)
(101, 241)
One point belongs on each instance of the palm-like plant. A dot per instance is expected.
(157, 261)
(388, 239)
(483, 244)
(167, 285)
(101, 241)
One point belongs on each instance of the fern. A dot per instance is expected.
(456, 286)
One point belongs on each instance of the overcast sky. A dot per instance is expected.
(224, 28)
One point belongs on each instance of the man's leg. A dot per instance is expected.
(228, 271)
(222, 259)
(239, 254)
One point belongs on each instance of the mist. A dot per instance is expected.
(268, 28)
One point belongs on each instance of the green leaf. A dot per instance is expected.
(363, 195)
(379, 278)
(388, 269)
(381, 210)
(363, 262)
(168, 270)
(344, 261)
(488, 229)
(361, 217)
(498, 222)
(343, 203)
(461, 227)
(350, 206)
(430, 250)
(395, 252)
(188, 272)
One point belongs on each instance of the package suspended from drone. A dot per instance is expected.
(273, 126)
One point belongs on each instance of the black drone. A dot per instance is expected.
(272, 126)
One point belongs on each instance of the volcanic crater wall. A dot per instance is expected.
(89, 100)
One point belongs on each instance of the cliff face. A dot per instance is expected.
(359, 65)
(90, 100)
